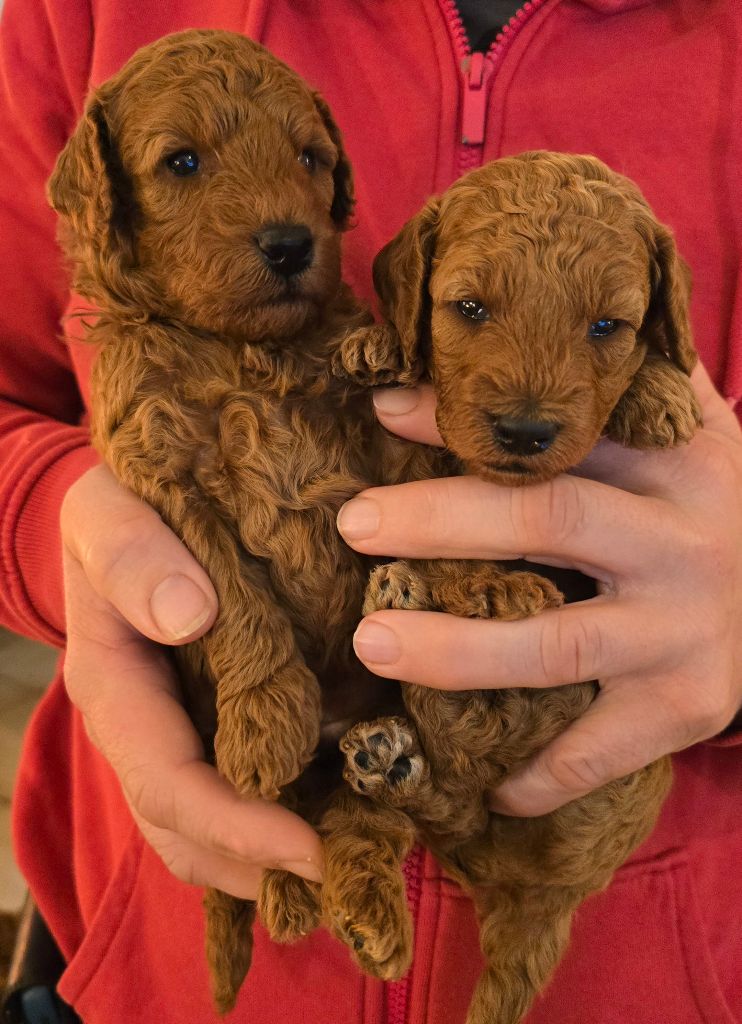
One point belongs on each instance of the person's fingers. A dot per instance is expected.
(626, 728)
(196, 865)
(463, 517)
(409, 412)
(126, 690)
(576, 643)
(135, 562)
(192, 804)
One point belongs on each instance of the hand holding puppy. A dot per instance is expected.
(131, 585)
(660, 531)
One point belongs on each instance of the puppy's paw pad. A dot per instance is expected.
(288, 906)
(396, 585)
(383, 760)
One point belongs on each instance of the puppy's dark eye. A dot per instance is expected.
(473, 309)
(183, 163)
(602, 328)
(309, 159)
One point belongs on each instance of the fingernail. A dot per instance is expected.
(306, 868)
(396, 401)
(376, 643)
(178, 607)
(358, 519)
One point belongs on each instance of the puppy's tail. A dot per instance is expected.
(229, 942)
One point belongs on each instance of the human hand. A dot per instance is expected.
(130, 586)
(660, 531)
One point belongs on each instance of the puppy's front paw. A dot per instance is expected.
(371, 357)
(288, 906)
(659, 410)
(515, 595)
(396, 585)
(489, 593)
(383, 761)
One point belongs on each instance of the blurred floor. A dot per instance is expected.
(26, 669)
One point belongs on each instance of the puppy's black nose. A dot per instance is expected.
(524, 437)
(286, 248)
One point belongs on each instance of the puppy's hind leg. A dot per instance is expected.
(267, 704)
(523, 934)
(289, 906)
(229, 943)
(363, 893)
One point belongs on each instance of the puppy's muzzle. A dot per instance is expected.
(287, 249)
(523, 436)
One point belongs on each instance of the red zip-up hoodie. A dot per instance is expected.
(652, 88)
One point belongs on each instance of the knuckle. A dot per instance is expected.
(243, 848)
(574, 771)
(125, 539)
(570, 648)
(149, 801)
(438, 514)
(181, 867)
(548, 514)
(704, 715)
(703, 548)
(177, 860)
(717, 716)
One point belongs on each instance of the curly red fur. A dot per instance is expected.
(236, 405)
(545, 245)
(213, 399)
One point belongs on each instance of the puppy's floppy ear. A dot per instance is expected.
(90, 187)
(342, 176)
(401, 276)
(667, 325)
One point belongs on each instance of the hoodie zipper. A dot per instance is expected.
(476, 73)
(398, 992)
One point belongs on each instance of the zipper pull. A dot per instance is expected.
(475, 100)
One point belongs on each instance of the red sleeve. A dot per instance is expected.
(44, 60)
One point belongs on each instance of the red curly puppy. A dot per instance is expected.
(548, 307)
(203, 197)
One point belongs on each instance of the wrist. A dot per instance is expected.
(31, 539)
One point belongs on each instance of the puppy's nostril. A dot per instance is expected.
(286, 248)
(524, 437)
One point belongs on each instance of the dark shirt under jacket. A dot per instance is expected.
(483, 19)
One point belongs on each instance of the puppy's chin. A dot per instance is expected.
(491, 464)
(272, 314)
(515, 472)
(277, 319)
